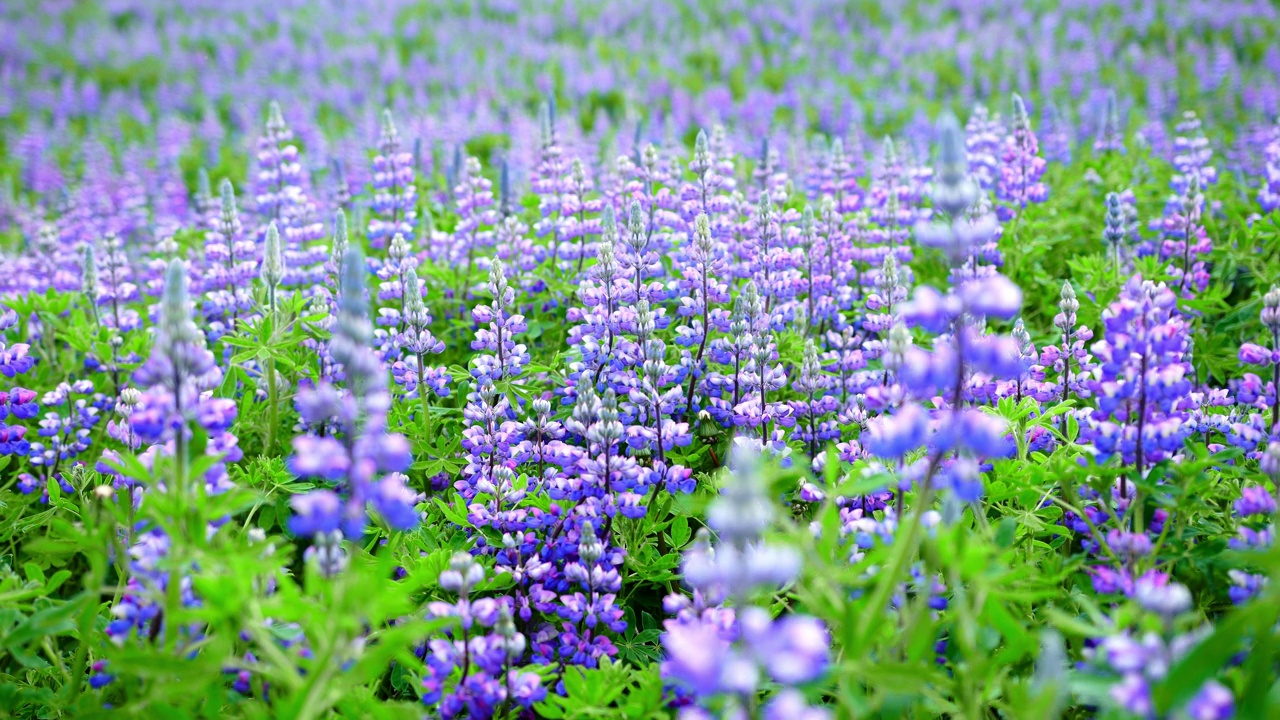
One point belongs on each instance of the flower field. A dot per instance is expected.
(644, 359)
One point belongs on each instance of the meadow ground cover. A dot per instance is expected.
(569, 359)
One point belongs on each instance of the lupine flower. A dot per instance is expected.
(1142, 383)
(1114, 233)
(982, 140)
(717, 654)
(1254, 354)
(1269, 193)
(1110, 134)
(473, 197)
(1191, 155)
(1057, 141)
(702, 286)
(812, 384)
(368, 463)
(179, 370)
(1135, 663)
(485, 646)
(16, 402)
(272, 272)
(499, 327)
(1185, 239)
(231, 264)
(1021, 166)
(280, 196)
(946, 370)
(395, 199)
(1070, 359)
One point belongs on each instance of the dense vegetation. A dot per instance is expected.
(639, 360)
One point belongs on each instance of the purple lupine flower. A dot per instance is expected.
(66, 427)
(231, 265)
(368, 464)
(640, 257)
(770, 178)
(1254, 514)
(281, 197)
(16, 402)
(484, 645)
(947, 369)
(179, 369)
(702, 287)
(697, 196)
(341, 187)
(816, 286)
(1057, 138)
(605, 294)
(1269, 192)
(1028, 383)
(575, 225)
(846, 170)
(115, 287)
(1115, 231)
(391, 290)
(395, 198)
(417, 341)
(983, 137)
(1143, 377)
(1254, 354)
(1134, 664)
(765, 375)
(657, 396)
(733, 350)
(813, 384)
(278, 166)
(473, 198)
(713, 653)
(503, 357)
(954, 190)
(1191, 155)
(819, 178)
(891, 206)
(549, 179)
(1021, 167)
(1070, 359)
(1110, 133)
(1186, 239)
(886, 303)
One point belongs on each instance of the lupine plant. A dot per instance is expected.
(781, 360)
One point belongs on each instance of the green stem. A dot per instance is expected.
(273, 411)
(904, 548)
(422, 397)
(80, 664)
(56, 658)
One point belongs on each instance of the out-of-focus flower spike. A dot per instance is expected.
(506, 201)
(230, 216)
(272, 264)
(701, 154)
(1110, 134)
(204, 194)
(389, 139)
(953, 191)
(275, 119)
(88, 270)
(547, 122)
(353, 299)
(340, 241)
